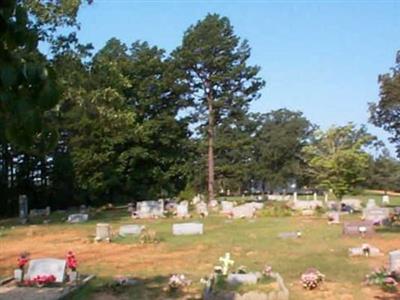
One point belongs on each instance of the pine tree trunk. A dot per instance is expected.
(210, 159)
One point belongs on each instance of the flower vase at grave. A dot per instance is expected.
(18, 275)
(73, 276)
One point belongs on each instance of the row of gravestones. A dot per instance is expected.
(104, 231)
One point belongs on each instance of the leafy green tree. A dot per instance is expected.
(386, 112)
(279, 140)
(384, 173)
(222, 84)
(337, 158)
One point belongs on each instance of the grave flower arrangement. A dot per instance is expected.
(178, 281)
(388, 281)
(312, 278)
(71, 261)
(23, 259)
(41, 280)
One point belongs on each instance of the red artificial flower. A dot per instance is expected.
(71, 261)
(22, 261)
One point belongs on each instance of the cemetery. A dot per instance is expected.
(138, 255)
(199, 150)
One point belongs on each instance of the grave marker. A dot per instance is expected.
(47, 266)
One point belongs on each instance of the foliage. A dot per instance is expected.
(221, 84)
(383, 278)
(337, 158)
(384, 173)
(385, 113)
(279, 139)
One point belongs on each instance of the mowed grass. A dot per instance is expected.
(252, 243)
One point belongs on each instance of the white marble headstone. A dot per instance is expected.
(131, 229)
(187, 228)
(371, 203)
(182, 209)
(385, 199)
(394, 261)
(47, 266)
(103, 231)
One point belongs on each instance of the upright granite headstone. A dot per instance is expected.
(243, 211)
(226, 207)
(182, 209)
(385, 200)
(23, 208)
(371, 204)
(359, 228)
(150, 209)
(47, 266)
(394, 261)
(376, 214)
(201, 209)
(187, 229)
(77, 218)
(103, 232)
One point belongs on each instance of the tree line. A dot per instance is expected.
(133, 122)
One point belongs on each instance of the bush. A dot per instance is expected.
(276, 210)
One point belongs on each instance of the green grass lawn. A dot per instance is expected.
(252, 243)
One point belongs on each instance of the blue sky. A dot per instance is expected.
(320, 57)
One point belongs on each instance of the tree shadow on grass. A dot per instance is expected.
(389, 229)
(150, 288)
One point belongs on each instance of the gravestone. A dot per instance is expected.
(77, 218)
(371, 203)
(385, 199)
(354, 203)
(23, 208)
(360, 228)
(213, 205)
(40, 212)
(187, 229)
(201, 208)
(243, 211)
(333, 217)
(226, 207)
(182, 209)
(394, 261)
(150, 209)
(47, 266)
(131, 229)
(365, 250)
(289, 235)
(376, 215)
(256, 205)
(103, 232)
(248, 278)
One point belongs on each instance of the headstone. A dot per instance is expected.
(354, 203)
(333, 217)
(315, 197)
(132, 229)
(365, 250)
(77, 218)
(201, 208)
(385, 199)
(226, 207)
(295, 196)
(371, 203)
(150, 209)
(248, 278)
(243, 211)
(394, 261)
(182, 209)
(363, 228)
(187, 229)
(289, 235)
(213, 204)
(256, 205)
(376, 215)
(326, 197)
(40, 212)
(103, 232)
(23, 208)
(47, 266)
